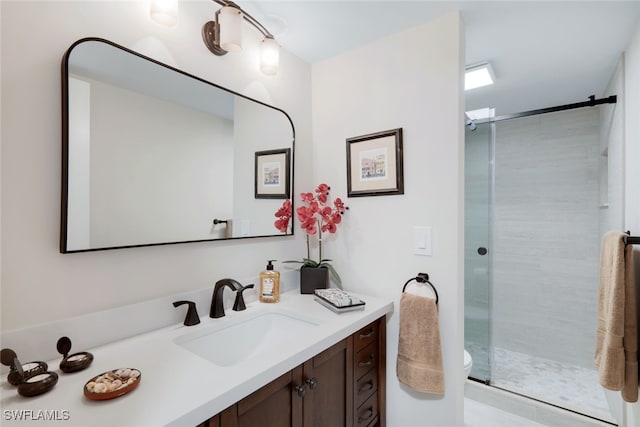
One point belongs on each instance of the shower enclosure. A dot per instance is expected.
(534, 216)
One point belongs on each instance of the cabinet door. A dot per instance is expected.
(213, 422)
(278, 404)
(329, 381)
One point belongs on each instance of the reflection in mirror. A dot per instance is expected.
(153, 155)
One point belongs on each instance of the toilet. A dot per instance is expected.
(468, 363)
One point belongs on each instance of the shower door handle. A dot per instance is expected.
(482, 251)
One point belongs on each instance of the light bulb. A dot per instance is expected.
(269, 56)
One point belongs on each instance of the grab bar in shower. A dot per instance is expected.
(422, 278)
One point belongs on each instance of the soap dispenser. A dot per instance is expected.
(270, 284)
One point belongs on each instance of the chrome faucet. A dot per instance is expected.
(217, 305)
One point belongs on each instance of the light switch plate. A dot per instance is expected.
(422, 241)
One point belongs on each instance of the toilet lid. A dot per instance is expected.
(467, 359)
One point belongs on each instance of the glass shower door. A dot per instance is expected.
(478, 197)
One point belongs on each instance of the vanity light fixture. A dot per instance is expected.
(164, 12)
(225, 35)
(478, 75)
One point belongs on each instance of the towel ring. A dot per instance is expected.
(422, 278)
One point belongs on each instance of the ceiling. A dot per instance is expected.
(544, 53)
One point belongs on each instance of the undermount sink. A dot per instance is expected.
(244, 339)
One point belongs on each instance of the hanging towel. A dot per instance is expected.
(616, 340)
(419, 364)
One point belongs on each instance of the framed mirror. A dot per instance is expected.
(152, 155)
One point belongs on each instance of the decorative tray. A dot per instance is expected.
(338, 300)
(112, 384)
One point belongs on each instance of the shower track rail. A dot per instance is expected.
(592, 102)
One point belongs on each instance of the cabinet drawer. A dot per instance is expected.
(367, 412)
(366, 336)
(366, 386)
(366, 359)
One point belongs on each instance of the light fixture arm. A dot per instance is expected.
(211, 29)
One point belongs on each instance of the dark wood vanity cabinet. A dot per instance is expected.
(328, 401)
(342, 386)
(278, 404)
(369, 367)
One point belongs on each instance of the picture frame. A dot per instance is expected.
(272, 174)
(375, 164)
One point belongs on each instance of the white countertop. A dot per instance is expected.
(177, 387)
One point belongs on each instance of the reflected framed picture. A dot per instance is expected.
(374, 164)
(272, 174)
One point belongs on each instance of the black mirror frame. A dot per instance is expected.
(65, 149)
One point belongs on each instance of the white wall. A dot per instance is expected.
(78, 190)
(632, 171)
(411, 80)
(38, 284)
(632, 134)
(271, 130)
(143, 170)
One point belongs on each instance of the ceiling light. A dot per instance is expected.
(164, 12)
(481, 113)
(478, 75)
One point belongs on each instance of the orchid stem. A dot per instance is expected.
(319, 242)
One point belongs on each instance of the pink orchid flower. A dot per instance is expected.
(316, 215)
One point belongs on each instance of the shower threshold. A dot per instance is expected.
(528, 407)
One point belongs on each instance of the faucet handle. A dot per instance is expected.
(192, 317)
(239, 304)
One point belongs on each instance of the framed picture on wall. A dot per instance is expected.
(272, 174)
(374, 164)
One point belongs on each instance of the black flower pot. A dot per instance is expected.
(313, 278)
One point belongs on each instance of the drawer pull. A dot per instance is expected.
(367, 416)
(367, 362)
(368, 334)
(366, 387)
(300, 390)
(313, 383)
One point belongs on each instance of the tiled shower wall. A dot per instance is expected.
(546, 239)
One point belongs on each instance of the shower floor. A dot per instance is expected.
(560, 384)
